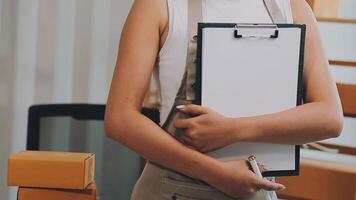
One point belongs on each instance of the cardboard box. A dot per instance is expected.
(26, 193)
(48, 169)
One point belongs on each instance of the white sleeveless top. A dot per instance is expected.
(172, 56)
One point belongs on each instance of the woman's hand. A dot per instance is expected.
(207, 131)
(237, 180)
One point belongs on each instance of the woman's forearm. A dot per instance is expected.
(150, 141)
(140, 134)
(299, 125)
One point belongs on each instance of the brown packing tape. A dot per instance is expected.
(27, 193)
(49, 169)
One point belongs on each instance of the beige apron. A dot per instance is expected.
(159, 183)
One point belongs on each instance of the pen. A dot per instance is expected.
(254, 165)
(256, 170)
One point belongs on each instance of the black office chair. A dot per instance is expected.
(80, 128)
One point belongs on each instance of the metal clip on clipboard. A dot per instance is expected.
(273, 13)
(238, 34)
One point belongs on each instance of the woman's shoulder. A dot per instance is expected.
(151, 3)
(154, 10)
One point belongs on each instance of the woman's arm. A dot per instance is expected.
(320, 116)
(139, 46)
(137, 54)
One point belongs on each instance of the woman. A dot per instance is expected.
(155, 31)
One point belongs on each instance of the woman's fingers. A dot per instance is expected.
(190, 147)
(188, 141)
(193, 109)
(268, 185)
(262, 167)
(182, 123)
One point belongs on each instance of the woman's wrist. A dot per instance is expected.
(242, 129)
(211, 172)
(198, 165)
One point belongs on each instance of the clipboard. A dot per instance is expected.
(248, 70)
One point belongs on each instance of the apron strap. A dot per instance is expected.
(274, 12)
(186, 93)
(195, 15)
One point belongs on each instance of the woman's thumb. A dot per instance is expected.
(269, 185)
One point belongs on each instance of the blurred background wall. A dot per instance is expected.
(53, 51)
(347, 9)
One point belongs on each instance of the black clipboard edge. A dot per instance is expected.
(300, 86)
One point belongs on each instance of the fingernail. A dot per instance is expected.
(278, 187)
(282, 187)
(180, 106)
(264, 167)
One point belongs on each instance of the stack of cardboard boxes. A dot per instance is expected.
(44, 175)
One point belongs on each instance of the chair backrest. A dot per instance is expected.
(80, 128)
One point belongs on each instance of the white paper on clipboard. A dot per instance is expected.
(243, 77)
